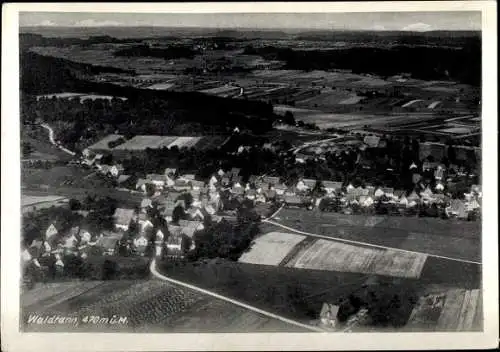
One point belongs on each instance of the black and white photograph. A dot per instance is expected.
(252, 172)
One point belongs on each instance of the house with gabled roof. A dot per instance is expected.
(196, 214)
(146, 203)
(388, 191)
(51, 231)
(457, 208)
(170, 172)
(108, 245)
(182, 185)
(188, 177)
(174, 245)
(331, 186)
(378, 192)
(156, 179)
(141, 184)
(305, 184)
(140, 244)
(273, 180)
(122, 217)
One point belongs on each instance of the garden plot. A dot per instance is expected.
(187, 142)
(103, 143)
(334, 256)
(33, 200)
(271, 248)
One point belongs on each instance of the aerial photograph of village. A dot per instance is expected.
(187, 173)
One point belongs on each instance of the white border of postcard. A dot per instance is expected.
(14, 340)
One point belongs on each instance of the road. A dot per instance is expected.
(53, 141)
(366, 244)
(158, 275)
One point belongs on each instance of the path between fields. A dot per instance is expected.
(338, 239)
(308, 144)
(162, 277)
(52, 140)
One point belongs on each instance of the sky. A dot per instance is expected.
(410, 21)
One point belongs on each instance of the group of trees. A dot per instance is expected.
(428, 63)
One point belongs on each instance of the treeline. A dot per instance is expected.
(44, 74)
(428, 63)
(438, 38)
(167, 53)
(27, 40)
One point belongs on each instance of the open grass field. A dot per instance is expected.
(456, 239)
(271, 248)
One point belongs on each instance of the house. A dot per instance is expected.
(156, 179)
(273, 180)
(170, 172)
(293, 201)
(220, 172)
(305, 184)
(144, 222)
(182, 185)
(196, 214)
(328, 315)
(189, 228)
(378, 193)
(146, 203)
(51, 231)
(108, 245)
(123, 217)
(403, 201)
(331, 186)
(197, 185)
(237, 190)
(472, 205)
(174, 244)
(439, 172)
(237, 180)
(366, 201)
(457, 208)
(426, 193)
(251, 194)
(371, 141)
(116, 170)
(140, 244)
(85, 236)
(235, 171)
(269, 195)
(413, 166)
(439, 187)
(280, 188)
(187, 177)
(427, 165)
(388, 191)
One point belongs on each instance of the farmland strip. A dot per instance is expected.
(368, 244)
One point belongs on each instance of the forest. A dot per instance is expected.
(428, 63)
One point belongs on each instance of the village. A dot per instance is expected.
(176, 206)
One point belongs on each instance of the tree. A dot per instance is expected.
(187, 198)
(318, 189)
(74, 204)
(26, 149)
(178, 214)
(289, 119)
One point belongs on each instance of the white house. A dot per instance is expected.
(379, 193)
(51, 231)
(123, 217)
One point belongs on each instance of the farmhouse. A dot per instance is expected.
(123, 217)
(108, 245)
(331, 186)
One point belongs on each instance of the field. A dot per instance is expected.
(150, 306)
(103, 143)
(299, 293)
(139, 143)
(451, 310)
(457, 239)
(271, 248)
(328, 255)
(33, 200)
